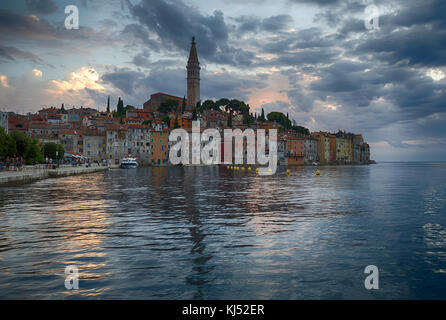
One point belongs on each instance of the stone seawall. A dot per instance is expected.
(32, 174)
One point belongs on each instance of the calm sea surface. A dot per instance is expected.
(210, 233)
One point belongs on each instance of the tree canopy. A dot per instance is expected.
(280, 118)
(20, 145)
(53, 150)
(168, 106)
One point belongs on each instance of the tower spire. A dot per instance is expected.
(193, 76)
(193, 56)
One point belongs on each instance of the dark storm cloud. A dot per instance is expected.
(12, 53)
(172, 81)
(41, 6)
(316, 2)
(125, 79)
(12, 24)
(413, 12)
(40, 33)
(271, 24)
(291, 42)
(419, 45)
(141, 35)
(230, 85)
(142, 60)
(308, 46)
(175, 23)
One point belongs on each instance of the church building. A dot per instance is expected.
(193, 85)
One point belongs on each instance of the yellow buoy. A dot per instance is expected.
(288, 172)
(243, 168)
(249, 169)
(227, 167)
(257, 170)
(318, 173)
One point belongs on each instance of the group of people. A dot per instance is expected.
(12, 163)
(50, 163)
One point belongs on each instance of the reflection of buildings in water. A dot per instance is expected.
(83, 219)
(196, 184)
(264, 199)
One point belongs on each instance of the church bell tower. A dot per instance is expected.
(193, 76)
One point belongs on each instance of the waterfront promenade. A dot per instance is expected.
(33, 173)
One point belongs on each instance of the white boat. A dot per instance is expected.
(128, 163)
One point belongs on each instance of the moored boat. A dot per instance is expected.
(129, 163)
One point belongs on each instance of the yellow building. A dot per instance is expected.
(323, 146)
(344, 147)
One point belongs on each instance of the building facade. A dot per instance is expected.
(310, 152)
(295, 151)
(94, 144)
(357, 142)
(156, 99)
(159, 148)
(117, 143)
(139, 142)
(72, 141)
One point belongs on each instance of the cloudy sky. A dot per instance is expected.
(315, 60)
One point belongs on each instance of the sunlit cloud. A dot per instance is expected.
(436, 74)
(37, 73)
(4, 81)
(83, 78)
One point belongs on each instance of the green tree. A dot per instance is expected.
(248, 119)
(262, 116)
(108, 104)
(3, 143)
(176, 124)
(11, 150)
(230, 120)
(166, 120)
(199, 107)
(168, 106)
(194, 115)
(53, 150)
(223, 102)
(120, 107)
(301, 130)
(33, 155)
(208, 105)
(21, 142)
(183, 109)
(280, 118)
(60, 151)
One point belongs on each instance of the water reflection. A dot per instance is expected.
(210, 233)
